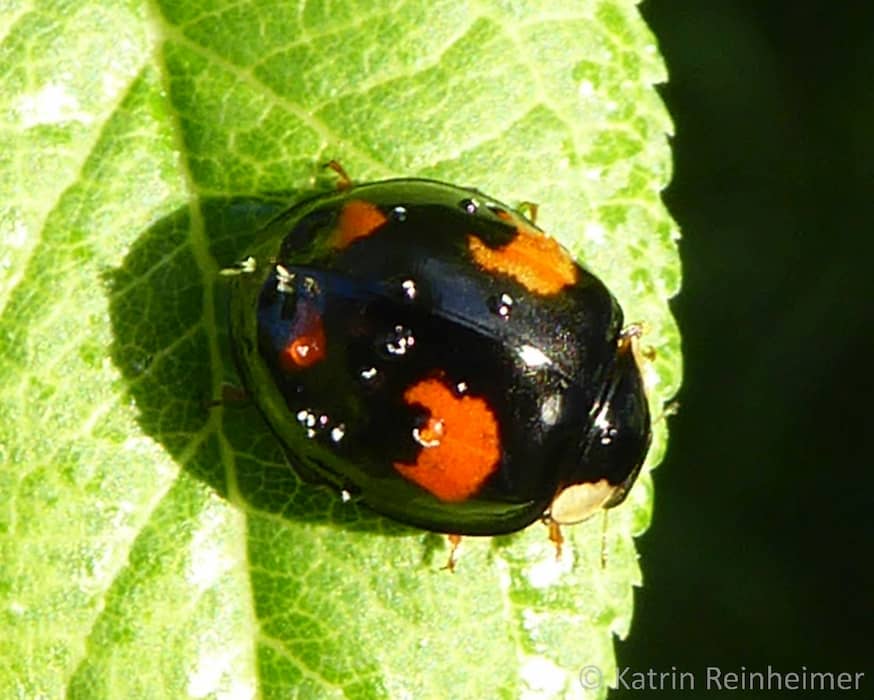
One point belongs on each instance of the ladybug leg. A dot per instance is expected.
(631, 335)
(555, 536)
(454, 542)
(604, 540)
(529, 209)
(632, 330)
(629, 340)
(671, 409)
(244, 267)
(345, 182)
(231, 396)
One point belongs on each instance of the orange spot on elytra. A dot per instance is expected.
(460, 444)
(308, 346)
(358, 219)
(532, 258)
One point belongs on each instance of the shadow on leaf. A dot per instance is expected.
(166, 337)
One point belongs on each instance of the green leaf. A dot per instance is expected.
(152, 547)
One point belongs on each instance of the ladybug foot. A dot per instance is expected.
(454, 542)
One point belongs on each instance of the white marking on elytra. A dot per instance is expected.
(284, 280)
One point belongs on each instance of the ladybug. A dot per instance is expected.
(432, 351)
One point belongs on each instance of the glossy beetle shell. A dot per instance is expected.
(431, 350)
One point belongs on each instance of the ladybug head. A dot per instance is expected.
(615, 446)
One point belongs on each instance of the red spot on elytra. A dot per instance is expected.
(358, 219)
(460, 443)
(308, 344)
(532, 258)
